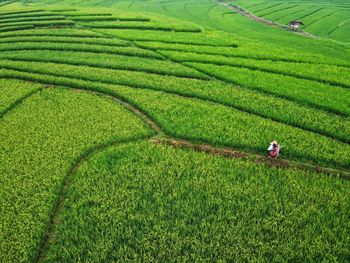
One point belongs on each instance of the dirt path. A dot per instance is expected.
(259, 159)
(259, 19)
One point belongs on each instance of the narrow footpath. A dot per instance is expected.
(262, 20)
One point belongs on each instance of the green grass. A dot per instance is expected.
(86, 84)
(12, 91)
(40, 142)
(118, 50)
(41, 23)
(329, 74)
(62, 32)
(245, 50)
(319, 18)
(207, 38)
(155, 203)
(30, 19)
(201, 113)
(280, 110)
(330, 98)
(63, 39)
(204, 122)
(107, 61)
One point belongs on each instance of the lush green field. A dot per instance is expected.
(90, 91)
(329, 19)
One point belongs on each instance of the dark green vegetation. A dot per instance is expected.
(84, 87)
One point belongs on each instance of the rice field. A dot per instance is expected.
(137, 131)
(328, 19)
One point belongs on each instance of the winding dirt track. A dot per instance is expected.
(259, 159)
(262, 20)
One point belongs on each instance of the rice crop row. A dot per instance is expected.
(188, 48)
(259, 104)
(152, 203)
(197, 120)
(7, 2)
(273, 11)
(89, 18)
(41, 140)
(30, 19)
(63, 39)
(92, 18)
(141, 25)
(63, 32)
(131, 51)
(21, 12)
(322, 96)
(246, 50)
(15, 28)
(42, 23)
(329, 74)
(82, 14)
(207, 38)
(106, 61)
(13, 90)
(63, 10)
(26, 15)
(341, 32)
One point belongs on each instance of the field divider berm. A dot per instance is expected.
(162, 137)
(159, 72)
(211, 76)
(66, 181)
(259, 159)
(18, 102)
(87, 48)
(288, 97)
(155, 51)
(18, 72)
(274, 71)
(263, 58)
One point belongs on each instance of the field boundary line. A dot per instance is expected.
(81, 50)
(262, 20)
(278, 10)
(60, 41)
(259, 159)
(162, 137)
(166, 58)
(321, 18)
(337, 27)
(243, 56)
(292, 99)
(9, 35)
(266, 8)
(8, 3)
(18, 102)
(175, 93)
(232, 45)
(272, 71)
(65, 184)
(114, 67)
(311, 13)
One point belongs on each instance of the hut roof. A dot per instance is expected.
(295, 22)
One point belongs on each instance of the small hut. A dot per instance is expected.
(295, 24)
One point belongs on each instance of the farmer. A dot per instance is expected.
(274, 149)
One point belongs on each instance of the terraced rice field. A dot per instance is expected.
(137, 131)
(329, 19)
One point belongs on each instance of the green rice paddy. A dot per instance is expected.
(137, 131)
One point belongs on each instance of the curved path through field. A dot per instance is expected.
(259, 19)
